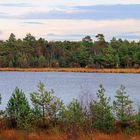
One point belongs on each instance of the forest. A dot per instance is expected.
(30, 52)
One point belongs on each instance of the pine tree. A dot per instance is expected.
(0, 98)
(18, 109)
(46, 102)
(101, 112)
(123, 105)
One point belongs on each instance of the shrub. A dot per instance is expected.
(123, 106)
(123, 110)
(46, 104)
(137, 118)
(18, 110)
(73, 113)
(101, 112)
(0, 98)
(0, 110)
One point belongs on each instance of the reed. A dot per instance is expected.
(15, 135)
(86, 70)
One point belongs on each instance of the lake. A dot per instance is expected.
(69, 85)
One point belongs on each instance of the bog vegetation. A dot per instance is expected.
(49, 112)
(30, 52)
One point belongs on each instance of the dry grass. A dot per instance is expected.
(120, 136)
(10, 135)
(41, 136)
(88, 70)
(15, 135)
(18, 135)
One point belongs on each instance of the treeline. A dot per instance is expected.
(48, 111)
(31, 52)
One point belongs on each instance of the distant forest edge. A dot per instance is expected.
(30, 52)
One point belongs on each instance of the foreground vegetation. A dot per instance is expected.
(49, 118)
(30, 52)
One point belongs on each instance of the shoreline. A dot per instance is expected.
(82, 70)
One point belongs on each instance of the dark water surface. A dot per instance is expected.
(68, 85)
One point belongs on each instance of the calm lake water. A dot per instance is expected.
(69, 85)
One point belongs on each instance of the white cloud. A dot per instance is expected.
(63, 29)
(55, 3)
(83, 2)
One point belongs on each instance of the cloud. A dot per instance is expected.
(96, 12)
(130, 35)
(71, 29)
(55, 3)
(64, 35)
(4, 15)
(1, 32)
(15, 5)
(32, 22)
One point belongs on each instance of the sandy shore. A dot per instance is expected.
(86, 70)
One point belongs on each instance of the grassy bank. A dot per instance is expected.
(86, 70)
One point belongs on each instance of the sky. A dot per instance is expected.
(70, 19)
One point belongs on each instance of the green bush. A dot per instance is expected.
(101, 112)
(123, 110)
(49, 111)
(0, 98)
(73, 113)
(18, 110)
(1, 112)
(137, 119)
(123, 106)
(46, 104)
